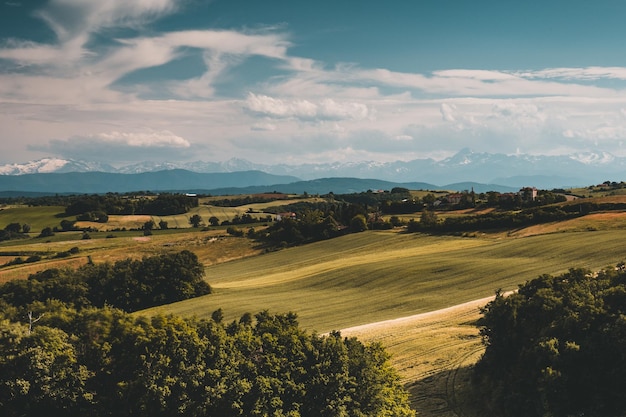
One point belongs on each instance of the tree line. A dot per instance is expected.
(104, 362)
(556, 347)
(67, 348)
(429, 222)
(129, 285)
(161, 205)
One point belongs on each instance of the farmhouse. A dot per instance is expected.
(454, 198)
(287, 215)
(528, 193)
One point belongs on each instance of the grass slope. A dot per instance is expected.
(36, 217)
(373, 276)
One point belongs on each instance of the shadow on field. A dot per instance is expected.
(445, 394)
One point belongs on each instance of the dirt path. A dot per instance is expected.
(417, 319)
(432, 352)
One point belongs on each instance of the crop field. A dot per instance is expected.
(178, 221)
(432, 352)
(381, 286)
(374, 276)
(211, 247)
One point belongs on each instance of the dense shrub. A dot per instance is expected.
(103, 362)
(556, 347)
(128, 284)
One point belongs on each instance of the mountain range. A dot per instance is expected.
(498, 171)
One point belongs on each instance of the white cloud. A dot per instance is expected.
(327, 109)
(587, 73)
(120, 146)
(448, 111)
(305, 107)
(72, 18)
(144, 139)
(269, 127)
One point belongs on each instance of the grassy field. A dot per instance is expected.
(212, 246)
(433, 353)
(375, 276)
(355, 282)
(36, 217)
(351, 282)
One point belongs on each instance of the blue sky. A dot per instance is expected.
(298, 81)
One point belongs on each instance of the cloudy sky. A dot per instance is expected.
(284, 81)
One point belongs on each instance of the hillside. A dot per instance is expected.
(329, 282)
(232, 183)
(516, 171)
(353, 281)
(101, 182)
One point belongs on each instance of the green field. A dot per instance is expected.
(36, 217)
(350, 281)
(375, 276)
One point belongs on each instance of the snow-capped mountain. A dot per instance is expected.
(49, 165)
(542, 171)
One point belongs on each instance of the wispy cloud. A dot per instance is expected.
(72, 86)
(580, 74)
(120, 146)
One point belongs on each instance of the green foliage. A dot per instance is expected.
(14, 231)
(195, 220)
(46, 232)
(128, 284)
(556, 347)
(98, 207)
(358, 223)
(103, 362)
(428, 219)
(67, 225)
(40, 372)
(311, 226)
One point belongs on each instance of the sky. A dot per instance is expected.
(286, 81)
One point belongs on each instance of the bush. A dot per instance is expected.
(556, 347)
(127, 284)
(46, 232)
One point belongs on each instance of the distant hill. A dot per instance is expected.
(519, 170)
(355, 185)
(103, 182)
(177, 180)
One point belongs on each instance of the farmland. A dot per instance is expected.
(354, 280)
(375, 276)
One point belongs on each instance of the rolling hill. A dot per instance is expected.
(231, 183)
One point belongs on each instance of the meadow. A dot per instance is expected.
(381, 275)
(350, 282)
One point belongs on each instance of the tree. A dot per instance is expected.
(429, 199)
(13, 227)
(195, 220)
(40, 373)
(395, 221)
(217, 316)
(358, 223)
(163, 225)
(25, 228)
(400, 190)
(67, 225)
(46, 232)
(214, 221)
(428, 219)
(556, 347)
